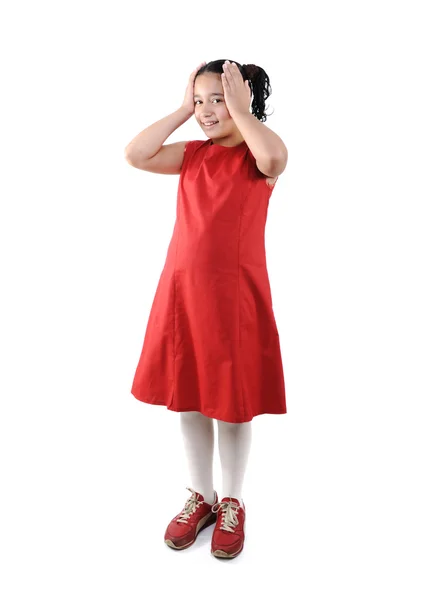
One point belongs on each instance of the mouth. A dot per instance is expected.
(209, 124)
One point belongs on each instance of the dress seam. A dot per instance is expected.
(181, 177)
(239, 310)
(239, 305)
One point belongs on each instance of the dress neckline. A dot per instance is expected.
(212, 145)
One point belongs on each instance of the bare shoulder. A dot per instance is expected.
(167, 161)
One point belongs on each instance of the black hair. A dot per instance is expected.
(258, 82)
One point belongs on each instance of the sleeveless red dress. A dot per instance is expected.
(211, 344)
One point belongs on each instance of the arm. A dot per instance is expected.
(149, 141)
(146, 150)
(266, 146)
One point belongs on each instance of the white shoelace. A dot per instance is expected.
(229, 512)
(190, 506)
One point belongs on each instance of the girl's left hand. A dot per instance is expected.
(236, 91)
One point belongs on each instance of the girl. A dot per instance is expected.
(211, 348)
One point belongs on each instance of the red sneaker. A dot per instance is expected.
(228, 535)
(196, 515)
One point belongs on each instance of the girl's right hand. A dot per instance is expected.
(189, 103)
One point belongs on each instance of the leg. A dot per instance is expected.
(198, 434)
(234, 441)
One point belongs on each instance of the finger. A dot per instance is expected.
(234, 71)
(234, 77)
(228, 81)
(198, 67)
(227, 71)
(225, 82)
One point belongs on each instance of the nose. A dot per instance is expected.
(206, 115)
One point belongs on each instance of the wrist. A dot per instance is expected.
(185, 112)
(240, 114)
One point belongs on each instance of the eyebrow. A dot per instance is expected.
(212, 94)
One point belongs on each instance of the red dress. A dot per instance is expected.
(211, 343)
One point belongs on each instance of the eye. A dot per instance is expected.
(217, 99)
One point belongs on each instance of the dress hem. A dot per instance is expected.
(207, 413)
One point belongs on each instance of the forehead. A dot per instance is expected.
(208, 84)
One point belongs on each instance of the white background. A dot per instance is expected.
(345, 493)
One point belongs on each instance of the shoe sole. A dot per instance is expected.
(222, 554)
(211, 519)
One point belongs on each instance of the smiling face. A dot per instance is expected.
(210, 106)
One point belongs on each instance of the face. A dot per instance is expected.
(210, 106)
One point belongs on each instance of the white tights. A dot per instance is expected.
(234, 441)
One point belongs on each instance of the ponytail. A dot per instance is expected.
(260, 85)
